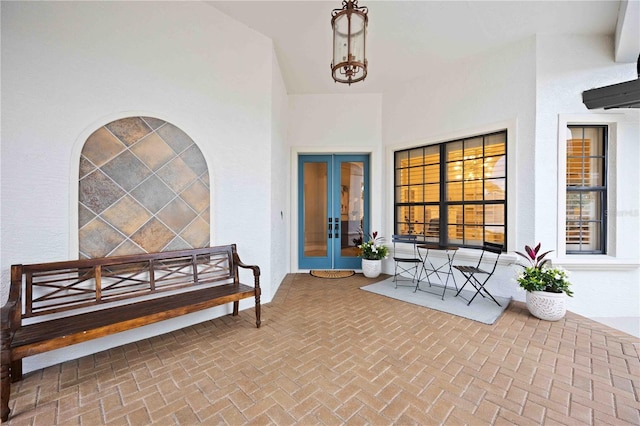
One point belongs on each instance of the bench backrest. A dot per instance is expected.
(51, 288)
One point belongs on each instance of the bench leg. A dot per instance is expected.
(16, 370)
(6, 393)
(236, 306)
(258, 308)
(5, 376)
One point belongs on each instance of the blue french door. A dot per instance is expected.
(333, 209)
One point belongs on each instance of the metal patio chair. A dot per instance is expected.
(474, 274)
(404, 264)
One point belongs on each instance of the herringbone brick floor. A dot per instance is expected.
(329, 353)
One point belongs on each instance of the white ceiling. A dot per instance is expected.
(407, 38)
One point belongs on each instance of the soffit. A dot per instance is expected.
(407, 38)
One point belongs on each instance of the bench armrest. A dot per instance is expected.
(255, 268)
(11, 312)
(7, 314)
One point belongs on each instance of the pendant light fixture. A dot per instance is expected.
(349, 26)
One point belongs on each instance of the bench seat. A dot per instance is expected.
(58, 304)
(36, 338)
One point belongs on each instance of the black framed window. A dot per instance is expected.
(586, 190)
(454, 192)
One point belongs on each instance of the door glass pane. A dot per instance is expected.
(315, 209)
(351, 206)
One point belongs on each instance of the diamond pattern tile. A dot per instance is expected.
(97, 192)
(176, 138)
(196, 233)
(153, 194)
(177, 174)
(176, 215)
(153, 151)
(178, 244)
(194, 158)
(129, 130)
(152, 122)
(196, 196)
(126, 215)
(126, 170)
(86, 167)
(145, 167)
(97, 238)
(84, 216)
(101, 146)
(153, 236)
(127, 247)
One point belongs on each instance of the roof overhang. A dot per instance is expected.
(621, 95)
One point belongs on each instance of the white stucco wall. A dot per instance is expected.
(333, 122)
(605, 286)
(280, 180)
(482, 94)
(70, 67)
(337, 124)
(526, 87)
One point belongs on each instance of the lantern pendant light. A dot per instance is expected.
(349, 26)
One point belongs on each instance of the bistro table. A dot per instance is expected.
(445, 268)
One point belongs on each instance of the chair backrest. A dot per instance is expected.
(406, 239)
(410, 239)
(495, 248)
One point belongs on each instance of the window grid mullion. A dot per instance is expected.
(470, 183)
(591, 231)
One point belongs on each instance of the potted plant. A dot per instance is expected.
(372, 252)
(546, 286)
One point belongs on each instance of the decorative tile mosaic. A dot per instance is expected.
(144, 187)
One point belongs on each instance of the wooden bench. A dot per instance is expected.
(53, 305)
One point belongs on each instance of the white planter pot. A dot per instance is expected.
(547, 306)
(371, 268)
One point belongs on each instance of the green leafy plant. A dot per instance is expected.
(374, 248)
(535, 260)
(553, 280)
(539, 276)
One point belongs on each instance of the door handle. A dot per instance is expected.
(337, 228)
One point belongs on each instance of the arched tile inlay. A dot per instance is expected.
(144, 187)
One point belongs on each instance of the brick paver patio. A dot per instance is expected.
(330, 353)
